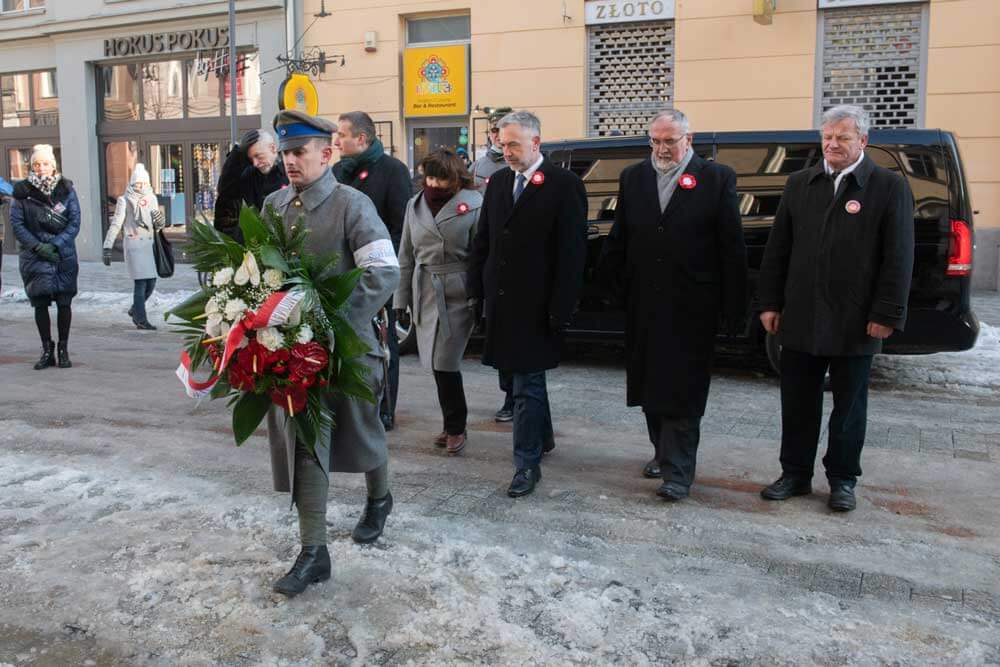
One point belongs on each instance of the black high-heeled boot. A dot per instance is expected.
(48, 357)
(63, 354)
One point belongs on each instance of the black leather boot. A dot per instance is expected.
(48, 357)
(311, 567)
(372, 520)
(63, 354)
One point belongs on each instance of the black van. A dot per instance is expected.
(940, 317)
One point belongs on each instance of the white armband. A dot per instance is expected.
(376, 253)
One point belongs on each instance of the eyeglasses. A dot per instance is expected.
(669, 143)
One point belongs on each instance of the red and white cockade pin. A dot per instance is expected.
(462, 208)
(687, 181)
(363, 175)
(537, 178)
(143, 202)
(486, 181)
(853, 207)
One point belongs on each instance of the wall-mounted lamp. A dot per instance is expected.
(763, 10)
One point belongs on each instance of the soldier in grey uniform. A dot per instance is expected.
(341, 220)
(482, 169)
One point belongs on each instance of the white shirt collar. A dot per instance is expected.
(845, 172)
(528, 172)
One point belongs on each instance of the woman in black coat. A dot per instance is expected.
(45, 216)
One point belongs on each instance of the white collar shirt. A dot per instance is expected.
(841, 175)
(527, 173)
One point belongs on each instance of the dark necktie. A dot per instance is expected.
(519, 188)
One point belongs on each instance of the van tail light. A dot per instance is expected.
(960, 249)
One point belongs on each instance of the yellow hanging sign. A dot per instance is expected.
(298, 92)
(436, 81)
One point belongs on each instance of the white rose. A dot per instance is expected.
(274, 278)
(213, 325)
(212, 307)
(305, 334)
(234, 309)
(222, 277)
(270, 338)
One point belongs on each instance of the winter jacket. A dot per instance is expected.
(34, 219)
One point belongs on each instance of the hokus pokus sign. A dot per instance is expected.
(627, 11)
(166, 42)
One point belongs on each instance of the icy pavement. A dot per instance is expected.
(133, 532)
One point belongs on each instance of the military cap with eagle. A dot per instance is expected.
(296, 128)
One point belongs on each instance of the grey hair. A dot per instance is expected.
(675, 116)
(265, 137)
(861, 119)
(525, 119)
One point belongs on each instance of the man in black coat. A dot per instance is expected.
(527, 264)
(250, 173)
(365, 166)
(834, 282)
(676, 256)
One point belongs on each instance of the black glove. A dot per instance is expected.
(249, 139)
(47, 251)
(106, 257)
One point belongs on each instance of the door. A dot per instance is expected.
(425, 138)
(165, 164)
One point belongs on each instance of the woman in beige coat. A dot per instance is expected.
(137, 214)
(438, 229)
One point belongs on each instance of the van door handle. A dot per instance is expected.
(593, 231)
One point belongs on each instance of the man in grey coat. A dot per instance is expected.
(344, 221)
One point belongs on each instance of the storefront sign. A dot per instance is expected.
(833, 4)
(166, 42)
(436, 81)
(627, 11)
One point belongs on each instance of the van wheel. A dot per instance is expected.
(773, 349)
(406, 333)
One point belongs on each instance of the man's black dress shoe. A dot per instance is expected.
(372, 520)
(524, 481)
(842, 498)
(786, 487)
(311, 567)
(652, 470)
(504, 414)
(672, 491)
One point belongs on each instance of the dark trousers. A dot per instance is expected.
(532, 418)
(507, 387)
(142, 290)
(387, 409)
(802, 378)
(675, 440)
(451, 396)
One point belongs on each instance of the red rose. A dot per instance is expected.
(290, 397)
(307, 359)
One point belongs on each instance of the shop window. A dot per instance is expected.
(15, 100)
(438, 29)
(162, 96)
(21, 5)
(203, 96)
(121, 92)
(247, 86)
(45, 100)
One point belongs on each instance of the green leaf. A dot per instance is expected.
(352, 381)
(339, 287)
(305, 430)
(191, 307)
(347, 344)
(253, 228)
(271, 257)
(248, 413)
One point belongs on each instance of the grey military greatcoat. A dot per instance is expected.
(340, 219)
(433, 260)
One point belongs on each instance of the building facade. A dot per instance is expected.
(110, 83)
(602, 67)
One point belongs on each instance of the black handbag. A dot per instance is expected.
(163, 253)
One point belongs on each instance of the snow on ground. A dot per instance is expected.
(107, 305)
(176, 570)
(975, 371)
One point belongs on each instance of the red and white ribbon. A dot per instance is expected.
(274, 312)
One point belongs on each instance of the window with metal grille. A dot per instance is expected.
(630, 76)
(871, 57)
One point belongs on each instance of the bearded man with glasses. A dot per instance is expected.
(676, 258)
